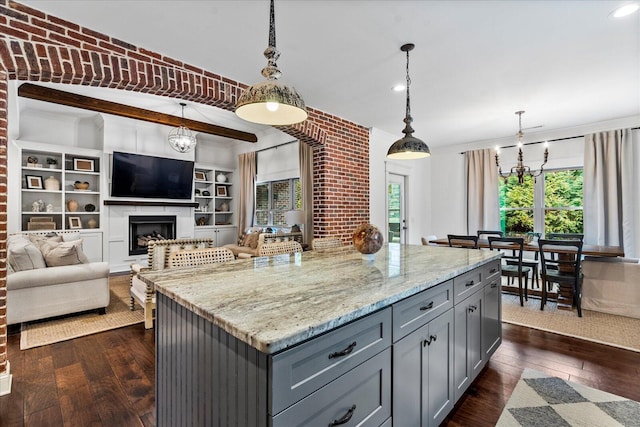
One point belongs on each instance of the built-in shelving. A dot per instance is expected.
(60, 190)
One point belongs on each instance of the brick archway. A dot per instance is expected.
(36, 47)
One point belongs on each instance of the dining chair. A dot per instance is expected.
(526, 262)
(563, 269)
(512, 248)
(462, 241)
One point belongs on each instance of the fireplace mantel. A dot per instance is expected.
(149, 203)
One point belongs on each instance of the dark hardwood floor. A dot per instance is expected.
(107, 379)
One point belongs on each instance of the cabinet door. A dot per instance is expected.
(468, 357)
(225, 236)
(423, 374)
(491, 319)
(474, 333)
(408, 353)
(439, 367)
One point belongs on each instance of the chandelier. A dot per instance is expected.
(181, 139)
(408, 147)
(520, 169)
(271, 102)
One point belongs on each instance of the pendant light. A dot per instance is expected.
(181, 139)
(408, 147)
(271, 102)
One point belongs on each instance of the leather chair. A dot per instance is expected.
(512, 248)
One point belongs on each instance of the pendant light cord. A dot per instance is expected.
(271, 71)
(408, 84)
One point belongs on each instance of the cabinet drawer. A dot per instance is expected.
(300, 371)
(466, 284)
(491, 271)
(413, 312)
(361, 395)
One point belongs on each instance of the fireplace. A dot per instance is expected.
(144, 229)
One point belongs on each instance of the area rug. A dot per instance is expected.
(541, 400)
(36, 334)
(617, 331)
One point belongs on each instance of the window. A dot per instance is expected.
(275, 198)
(553, 204)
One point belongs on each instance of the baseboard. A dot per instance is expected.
(5, 381)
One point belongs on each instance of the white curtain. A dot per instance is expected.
(306, 182)
(483, 208)
(247, 170)
(611, 189)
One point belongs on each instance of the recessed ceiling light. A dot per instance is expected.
(625, 10)
(398, 88)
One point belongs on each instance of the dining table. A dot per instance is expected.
(592, 250)
(564, 299)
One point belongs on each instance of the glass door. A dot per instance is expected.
(396, 222)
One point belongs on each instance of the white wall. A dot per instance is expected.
(417, 174)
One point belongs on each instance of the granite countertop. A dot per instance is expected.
(272, 303)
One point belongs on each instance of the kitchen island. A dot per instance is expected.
(324, 337)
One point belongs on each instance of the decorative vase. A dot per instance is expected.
(92, 223)
(221, 177)
(52, 183)
(72, 205)
(224, 206)
(367, 239)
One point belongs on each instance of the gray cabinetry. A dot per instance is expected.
(423, 391)
(492, 314)
(303, 369)
(468, 341)
(362, 396)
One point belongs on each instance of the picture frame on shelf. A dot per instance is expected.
(34, 182)
(200, 176)
(221, 191)
(84, 165)
(75, 222)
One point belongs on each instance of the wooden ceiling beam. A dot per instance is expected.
(41, 93)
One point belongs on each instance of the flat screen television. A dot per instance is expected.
(137, 175)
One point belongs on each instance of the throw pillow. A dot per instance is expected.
(40, 240)
(252, 240)
(64, 253)
(24, 255)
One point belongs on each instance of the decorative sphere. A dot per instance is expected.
(367, 239)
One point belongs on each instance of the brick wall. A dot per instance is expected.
(35, 47)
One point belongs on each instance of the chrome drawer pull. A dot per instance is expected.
(494, 285)
(493, 270)
(472, 308)
(344, 352)
(470, 283)
(427, 307)
(344, 419)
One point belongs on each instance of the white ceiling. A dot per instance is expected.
(566, 63)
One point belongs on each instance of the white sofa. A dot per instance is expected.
(37, 291)
(611, 285)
